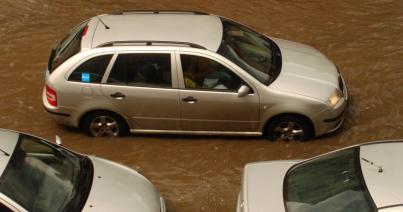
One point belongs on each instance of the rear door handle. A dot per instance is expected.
(189, 99)
(118, 95)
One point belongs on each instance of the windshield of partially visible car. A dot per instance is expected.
(41, 177)
(333, 182)
(69, 46)
(253, 52)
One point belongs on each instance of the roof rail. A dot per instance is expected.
(159, 12)
(149, 43)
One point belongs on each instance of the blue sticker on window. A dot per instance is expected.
(85, 77)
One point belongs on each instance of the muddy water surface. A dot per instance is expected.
(364, 38)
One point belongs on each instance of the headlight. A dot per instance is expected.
(335, 98)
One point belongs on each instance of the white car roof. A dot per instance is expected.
(199, 29)
(386, 187)
(8, 141)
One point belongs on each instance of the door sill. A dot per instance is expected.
(185, 132)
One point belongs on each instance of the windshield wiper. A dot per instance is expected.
(380, 170)
(4, 152)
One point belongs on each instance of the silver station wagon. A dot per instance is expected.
(190, 73)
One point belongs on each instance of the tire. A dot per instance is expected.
(103, 123)
(279, 129)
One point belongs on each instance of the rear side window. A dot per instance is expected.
(145, 70)
(69, 46)
(92, 70)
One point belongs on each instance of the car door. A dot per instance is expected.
(209, 96)
(142, 87)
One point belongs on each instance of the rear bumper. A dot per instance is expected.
(62, 116)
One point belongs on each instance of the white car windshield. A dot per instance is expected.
(333, 182)
(253, 52)
(44, 177)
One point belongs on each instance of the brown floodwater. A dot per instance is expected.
(364, 38)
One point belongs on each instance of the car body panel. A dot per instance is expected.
(8, 141)
(305, 71)
(385, 187)
(263, 185)
(136, 193)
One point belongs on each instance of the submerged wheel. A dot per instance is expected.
(101, 124)
(289, 128)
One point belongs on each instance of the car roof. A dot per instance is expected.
(200, 29)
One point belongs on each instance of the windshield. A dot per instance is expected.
(253, 52)
(330, 183)
(69, 46)
(41, 177)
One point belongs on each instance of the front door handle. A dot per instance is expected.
(189, 99)
(118, 95)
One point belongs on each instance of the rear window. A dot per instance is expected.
(69, 46)
(92, 70)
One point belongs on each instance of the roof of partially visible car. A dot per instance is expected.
(200, 29)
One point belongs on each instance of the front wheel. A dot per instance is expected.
(289, 128)
(101, 124)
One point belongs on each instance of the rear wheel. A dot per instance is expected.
(289, 128)
(101, 124)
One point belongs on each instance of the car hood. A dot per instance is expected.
(305, 71)
(385, 187)
(118, 188)
(263, 185)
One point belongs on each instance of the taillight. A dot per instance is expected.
(51, 96)
(84, 31)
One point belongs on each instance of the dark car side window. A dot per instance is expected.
(92, 70)
(143, 69)
(203, 73)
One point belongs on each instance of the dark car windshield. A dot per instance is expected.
(333, 182)
(69, 46)
(42, 177)
(253, 52)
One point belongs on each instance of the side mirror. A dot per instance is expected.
(243, 91)
(58, 140)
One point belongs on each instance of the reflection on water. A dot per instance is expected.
(363, 38)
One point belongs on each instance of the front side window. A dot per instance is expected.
(144, 70)
(203, 73)
(253, 52)
(330, 183)
(92, 70)
(41, 177)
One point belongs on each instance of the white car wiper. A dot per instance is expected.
(380, 170)
(4, 152)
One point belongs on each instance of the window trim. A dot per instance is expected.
(174, 79)
(181, 80)
(11, 204)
